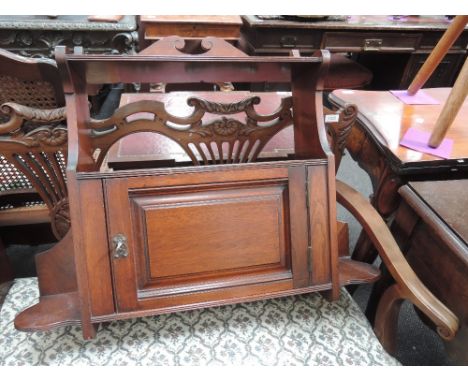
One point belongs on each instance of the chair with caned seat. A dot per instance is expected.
(33, 140)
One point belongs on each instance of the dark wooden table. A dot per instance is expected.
(37, 36)
(374, 142)
(431, 224)
(393, 48)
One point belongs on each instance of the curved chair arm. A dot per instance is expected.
(408, 285)
(20, 113)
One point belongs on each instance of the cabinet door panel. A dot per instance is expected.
(235, 235)
(192, 235)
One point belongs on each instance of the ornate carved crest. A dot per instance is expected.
(223, 108)
(33, 127)
(340, 130)
(192, 132)
(46, 136)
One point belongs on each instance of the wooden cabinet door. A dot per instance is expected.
(207, 236)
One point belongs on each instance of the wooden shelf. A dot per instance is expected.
(355, 272)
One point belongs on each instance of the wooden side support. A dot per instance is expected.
(59, 304)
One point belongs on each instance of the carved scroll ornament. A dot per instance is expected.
(33, 127)
(223, 140)
(339, 131)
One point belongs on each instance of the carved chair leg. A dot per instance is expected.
(386, 320)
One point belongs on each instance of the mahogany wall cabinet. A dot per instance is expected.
(229, 226)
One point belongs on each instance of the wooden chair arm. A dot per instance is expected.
(20, 113)
(409, 286)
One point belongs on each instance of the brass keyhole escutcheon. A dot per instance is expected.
(120, 246)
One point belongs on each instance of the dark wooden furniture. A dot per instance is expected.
(225, 228)
(37, 36)
(374, 143)
(343, 73)
(32, 143)
(431, 228)
(152, 28)
(161, 33)
(33, 150)
(392, 48)
(202, 235)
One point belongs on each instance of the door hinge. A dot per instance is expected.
(309, 248)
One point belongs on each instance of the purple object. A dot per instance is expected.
(397, 18)
(420, 98)
(417, 140)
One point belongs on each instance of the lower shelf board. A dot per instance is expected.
(356, 272)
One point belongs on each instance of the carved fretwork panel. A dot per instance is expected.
(221, 140)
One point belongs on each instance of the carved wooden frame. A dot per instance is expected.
(203, 143)
(39, 152)
(33, 140)
(87, 290)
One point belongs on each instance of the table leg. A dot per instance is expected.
(385, 184)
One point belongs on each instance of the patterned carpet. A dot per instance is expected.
(299, 330)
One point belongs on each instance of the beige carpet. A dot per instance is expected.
(298, 330)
